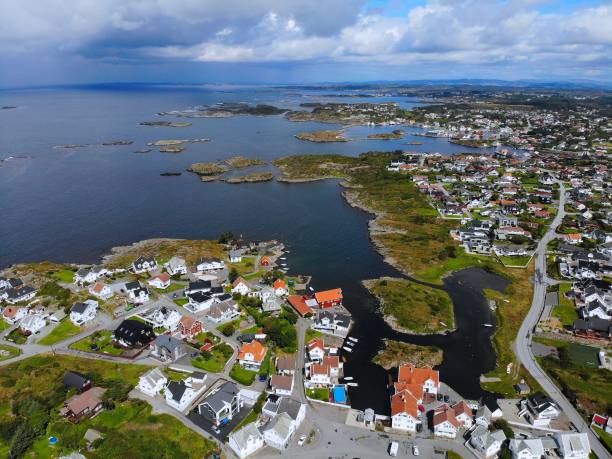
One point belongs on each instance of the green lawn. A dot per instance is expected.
(171, 288)
(66, 276)
(8, 352)
(234, 323)
(219, 355)
(515, 261)
(319, 393)
(606, 438)
(16, 337)
(64, 330)
(566, 310)
(267, 366)
(312, 334)
(4, 325)
(244, 377)
(181, 301)
(101, 339)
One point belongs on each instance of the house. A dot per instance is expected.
(329, 298)
(176, 265)
(277, 405)
(83, 406)
(12, 315)
(133, 333)
(161, 281)
(164, 317)
(280, 287)
(235, 256)
(199, 301)
(316, 349)
(167, 348)
(223, 403)
(246, 441)
(101, 290)
(404, 411)
(488, 443)
(32, 324)
(152, 382)
(331, 322)
(265, 261)
(300, 304)
(281, 384)
(89, 276)
(445, 423)
(279, 430)
(210, 264)
(271, 304)
(319, 374)
(190, 327)
(252, 355)
(136, 292)
(572, 238)
(528, 448)
(144, 264)
(463, 414)
(540, 409)
(77, 381)
(83, 312)
(418, 380)
(241, 286)
(224, 311)
(573, 445)
(181, 394)
(16, 295)
(285, 364)
(198, 286)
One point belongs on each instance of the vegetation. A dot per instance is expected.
(502, 424)
(318, 393)
(251, 178)
(414, 307)
(99, 341)
(214, 360)
(240, 162)
(64, 330)
(396, 134)
(65, 276)
(8, 352)
(322, 136)
(208, 168)
(242, 376)
(397, 353)
(16, 337)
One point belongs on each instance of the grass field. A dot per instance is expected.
(65, 276)
(318, 394)
(101, 339)
(219, 355)
(8, 352)
(413, 306)
(181, 301)
(515, 261)
(244, 377)
(64, 330)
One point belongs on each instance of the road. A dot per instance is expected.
(523, 340)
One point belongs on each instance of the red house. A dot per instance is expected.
(265, 261)
(190, 327)
(329, 298)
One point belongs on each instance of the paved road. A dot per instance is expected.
(523, 341)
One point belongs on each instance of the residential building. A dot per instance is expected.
(161, 281)
(101, 290)
(281, 384)
(246, 441)
(222, 404)
(144, 264)
(252, 355)
(176, 265)
(84, 405)
(329, 298)
(133, 333)
(278, 431)
(32, 324)
(190, 327)
(152, 382)
(486, 442)
(445, 423)
(168, 348)
(404, 411)
(83, 312)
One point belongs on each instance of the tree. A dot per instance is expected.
(233, 274)
(502, 424)
(24, 438)
(228, 330)
(226, 237)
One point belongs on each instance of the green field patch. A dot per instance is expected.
(242, 376)
(64, 330)
(8, 352)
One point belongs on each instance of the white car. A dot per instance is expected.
(415, 450)
(302, 440)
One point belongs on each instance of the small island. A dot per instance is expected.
(251, 178)
(397, 353)
(207, 169)
(210, 172)
(396, 134)
(171, 149)
(322, 136)
(226, 110)
(165, 123)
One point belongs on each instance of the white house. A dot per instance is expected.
(83, 312)
(12, 315)
(573, 445)
(316, 349)
(246, 441)
(32, 323)
(144, 264)
(279, 430)
(241, 286)
(277, 405)
(210, 264)
(180, 394)
(199, 301)
(152, 382)
(444, 422)
(235, 256)
(176, 265)
(486, 442)
(165, 317)
(88, 276)
(162, 281)
(528, 448)
(101, 290)
(224, 311)
(280, 287)
(281, 384)
(540, 410)
(463, 414)
(140, 295)
(404, 412)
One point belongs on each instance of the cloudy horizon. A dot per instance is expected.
(49, 42)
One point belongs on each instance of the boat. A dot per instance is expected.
(443, 324)
(348, 343)
(354, 340)
(282, 258)
(488, 325)
(348, 378)
(347, 349)
(352, 384)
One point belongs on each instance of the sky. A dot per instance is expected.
(57, 42)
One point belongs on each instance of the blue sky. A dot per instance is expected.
(280, 41)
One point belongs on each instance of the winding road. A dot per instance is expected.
(523, 341)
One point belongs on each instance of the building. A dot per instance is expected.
(281, 384)
(83, 406)
(285, 364)
(152, 382)
(190, 327)
(252, 355)
(161, 281)
(77, 381)
(329, 298)
(527, 448)
(280, 287)
(83, 312)
(241, 286)
(144, 264)
(32, 324)
(463, 414)
(222, 404)
(419, 381)
(316, 349)
(300, 304)
(246, 441)
(445, 423)
(540, 409)
(133, 333)
(167, 348)
(224, 311)
(573, 445)
(181, 394)
(279, 430)
(12, 315)
(101, 290)
(176, 265)
(404, 411)
(210, 264)
(276, 405)
(486, 442)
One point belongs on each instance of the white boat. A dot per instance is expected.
(348, 378)
(488, 325)
(443, 324)
(347, 349)
(282, 258)
(348, 343)
(354, 340)
(352, 384)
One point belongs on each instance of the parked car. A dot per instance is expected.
(302, 440)
(415, 450)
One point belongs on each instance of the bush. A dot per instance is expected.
(228, 330)
(502, 424)
(24, 438)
